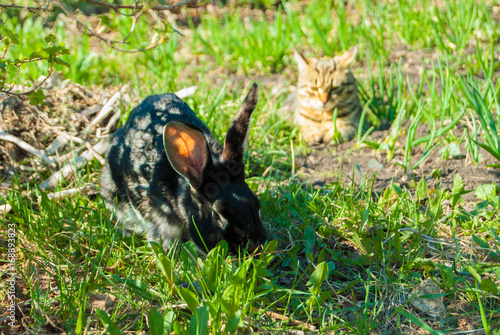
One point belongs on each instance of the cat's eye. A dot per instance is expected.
(335, 89)
(313, 88)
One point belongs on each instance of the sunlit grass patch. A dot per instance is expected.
(348, 252)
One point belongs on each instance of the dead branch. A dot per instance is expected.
(20, 94)
(109, 42)
(24, 7)
(91, 110)
(5, 208)
(290, 321)
(68, 170)
(57, 144)
(70, 155)
(70, 137)
(56, 196)
(186, 92)
(25, 146)
(106, 109)
(95, 153)
(114, 119)
(188, 3)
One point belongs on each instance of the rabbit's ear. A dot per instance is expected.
(186, 150)
(236, 140)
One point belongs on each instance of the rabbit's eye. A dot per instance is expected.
(220, 222)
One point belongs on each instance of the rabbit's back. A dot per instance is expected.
(166, 176)
(137, 147)
(138, 181)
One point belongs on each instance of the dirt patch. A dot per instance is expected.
(57, 131)
(345, 162)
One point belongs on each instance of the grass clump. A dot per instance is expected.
(352, 242)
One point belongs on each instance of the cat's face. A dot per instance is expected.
(325, 81)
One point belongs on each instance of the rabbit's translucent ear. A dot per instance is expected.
(347, 57)
(186, 150)
(235, 144)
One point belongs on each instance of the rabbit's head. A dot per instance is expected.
(226, 208)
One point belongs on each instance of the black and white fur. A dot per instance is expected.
(167, 177)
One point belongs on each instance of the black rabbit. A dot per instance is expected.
(167, 177)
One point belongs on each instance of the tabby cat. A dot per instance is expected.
(325, 84)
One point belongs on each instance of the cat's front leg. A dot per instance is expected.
(347, 129)
(310, 130)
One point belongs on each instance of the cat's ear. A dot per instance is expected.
(347, 57)
(302, 62)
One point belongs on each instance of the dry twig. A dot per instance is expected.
(56, 196)
(290, 321)
(111, 43)
(67, 171)
(189, 3)
(23, 145)
(106, 109)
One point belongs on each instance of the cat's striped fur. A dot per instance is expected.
(325, 84)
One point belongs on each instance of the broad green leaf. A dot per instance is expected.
(364, 216)
(448, 276)
(324, 296)
(396, 188)
(50, 38)
(80, 321)
(165, 265)
(109, 326)
(267, 254)
(309, 239)
(54, 50)
(155, 322)
(189, 298)
(179, 329)
(12, 38)
(458, 190)
(36, 97)
(189, 254)
(318, 276)
(488, 285)
(473, 272)
(480, 242)
(168, 322)
(242, 272)
(421, 190)
(486, 191)
(229, 299)
(61, 62)
(458, 184)
(235, 321)
(198, 324)
(39, 54)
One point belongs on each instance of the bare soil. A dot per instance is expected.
(346, 162)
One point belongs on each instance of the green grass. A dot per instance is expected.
(344, 259)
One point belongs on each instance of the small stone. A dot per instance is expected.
(432, 306)
(373, 164)
(351, 317)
